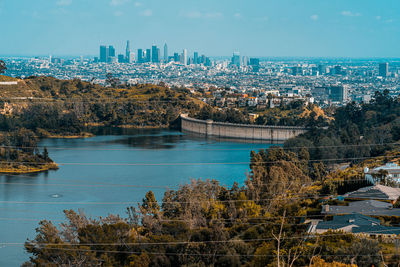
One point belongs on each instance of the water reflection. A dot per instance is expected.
(165, 141)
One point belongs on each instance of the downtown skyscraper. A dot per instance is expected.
(384, 69)
(165, 53)
(103, 53)
(155, 54)
(107, 54)
(184, 57)
(128, 58)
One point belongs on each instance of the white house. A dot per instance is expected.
(391, 168)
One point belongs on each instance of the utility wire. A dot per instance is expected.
(206, 149)
(189, 163)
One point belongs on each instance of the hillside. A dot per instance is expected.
(7, 79)
(45, 102)
(49, 87)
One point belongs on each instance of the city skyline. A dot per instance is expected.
(255, 28)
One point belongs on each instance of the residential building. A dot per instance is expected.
(357, 224)
(375, 192)
(365, 207)
(390, 170)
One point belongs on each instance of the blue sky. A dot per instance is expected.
(313, 28)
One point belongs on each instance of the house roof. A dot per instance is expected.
(380, 192)
(376, 229)
(366, 207)
(357, 223)
(346, 220)
(370, 203)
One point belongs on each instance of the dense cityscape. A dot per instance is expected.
(248, 80)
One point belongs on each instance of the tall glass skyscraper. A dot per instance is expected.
(111, 54)
(384, 69)
(165, 53)
(140, 58)
(236, 60)
(111, 51)
(148, 55)
(103, 53)
(176, 57)
(155, 54)
(128, 52)
(184, 57)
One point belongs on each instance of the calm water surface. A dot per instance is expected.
(89, 182)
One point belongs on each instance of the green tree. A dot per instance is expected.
(3, 67)
(363, 253)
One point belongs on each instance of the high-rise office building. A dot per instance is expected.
(245, 61)
(254, 61)
(255, 64)
(338, 70)
(155, 54)
(111, 51)
(176, 57)
(384, 69)
(103, 53)
(338, 93)
(297, 70)
(207, 62)
(184, 57)
(236, 60)
(121, 58)
(203, 59)
(196, 58)
(128, 52)
(165, 53)
(111, 54)
(148, 55)
(322, 69)
(140, 58)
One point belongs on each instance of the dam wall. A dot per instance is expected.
(274, 134)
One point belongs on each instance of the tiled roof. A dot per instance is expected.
(366, 207)
(375, 192)
(358, 224)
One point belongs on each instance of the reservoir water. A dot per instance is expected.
(114, 166)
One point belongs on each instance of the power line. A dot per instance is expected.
(188, 163)
(307, 236)
(164, 221)
(209, 255)
(167, 202)
(89, 185)
(148, 186)
(83, 100)
(206, 149)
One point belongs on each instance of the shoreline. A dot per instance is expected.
(128, 126)
(63, 136)
(23, 169)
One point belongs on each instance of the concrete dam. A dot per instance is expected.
(273, 134)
